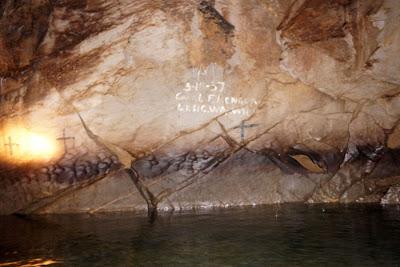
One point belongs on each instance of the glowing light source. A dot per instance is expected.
(21, 145)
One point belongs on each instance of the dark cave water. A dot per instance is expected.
(284, 235)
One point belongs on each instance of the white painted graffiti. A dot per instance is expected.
(206, 92)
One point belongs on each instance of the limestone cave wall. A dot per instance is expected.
(189, 104)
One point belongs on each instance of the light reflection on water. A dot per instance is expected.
(293, 235)
(31, 263)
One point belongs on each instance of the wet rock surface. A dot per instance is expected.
(392, 196)
(186, 104)
(29, 187)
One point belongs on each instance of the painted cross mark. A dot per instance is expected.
(242, 127)
(64, 138)
(10, 145)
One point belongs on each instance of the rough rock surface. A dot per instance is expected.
(190, 104)
(392, 196)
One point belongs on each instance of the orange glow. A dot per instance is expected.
(21, 145)
(30, 263)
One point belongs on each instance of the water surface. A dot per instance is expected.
(285, 235)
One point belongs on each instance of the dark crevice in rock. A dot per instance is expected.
(275, 157)
(315, 157)
(193, 167)
(144, 191)
(373, 155)
(210, 13)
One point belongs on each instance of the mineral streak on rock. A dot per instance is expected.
(319, 80)
(212, 14)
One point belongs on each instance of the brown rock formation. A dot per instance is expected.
(186, 104)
